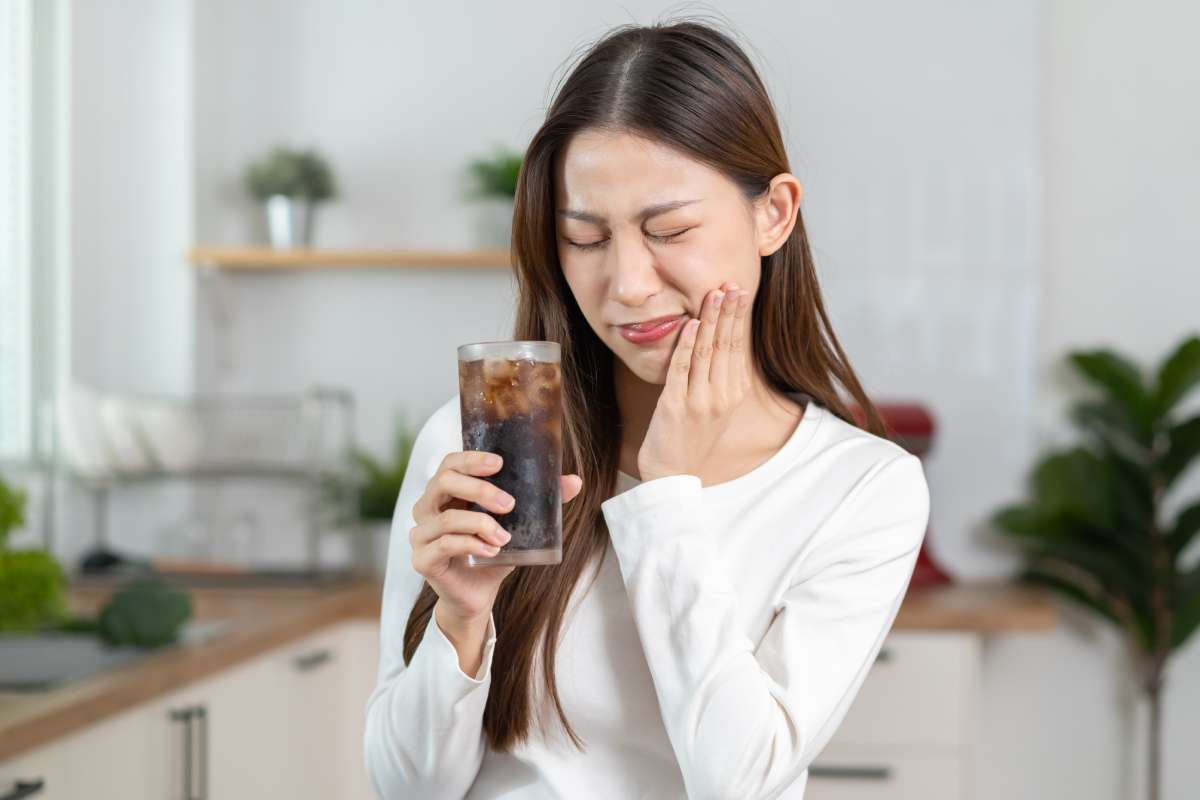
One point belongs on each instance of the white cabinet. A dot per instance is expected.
(39, 775)
(910, 732)
(285, 724)
(276, 726)
(362, 647)
(105, 761)
(108, 760)
(886, 774)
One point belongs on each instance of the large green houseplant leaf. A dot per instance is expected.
(1093, 528)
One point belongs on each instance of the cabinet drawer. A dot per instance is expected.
(885, 775)
(920, 691)
(40, 775)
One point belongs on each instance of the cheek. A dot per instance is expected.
(703, 264)
(697, 267)
(588, 292)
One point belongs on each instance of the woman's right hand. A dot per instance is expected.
(446, 532)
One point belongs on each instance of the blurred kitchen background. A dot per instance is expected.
(989, 187)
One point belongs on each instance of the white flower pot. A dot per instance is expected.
(290, 221)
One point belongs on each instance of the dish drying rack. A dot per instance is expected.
(113, 441)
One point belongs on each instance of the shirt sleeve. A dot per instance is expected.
(745, 721)
(424, 721)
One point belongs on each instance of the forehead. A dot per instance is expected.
(606, 169)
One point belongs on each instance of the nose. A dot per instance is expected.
(633, 275)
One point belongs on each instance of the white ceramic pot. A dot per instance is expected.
(290, 221)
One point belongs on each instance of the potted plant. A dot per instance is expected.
(290, 182)
(494, 186)
(375, 485)
(32, 583)
(1094, 528)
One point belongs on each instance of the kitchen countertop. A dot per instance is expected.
(263, 619)
(979, 606)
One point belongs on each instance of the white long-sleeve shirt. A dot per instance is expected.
(719, 648)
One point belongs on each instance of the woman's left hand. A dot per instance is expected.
(709, 375)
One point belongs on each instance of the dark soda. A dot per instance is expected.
(511, 404)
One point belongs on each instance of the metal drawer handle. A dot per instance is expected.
(202, 715)
(855, 773)
(310, 661)
(25, 789)
(186, 715)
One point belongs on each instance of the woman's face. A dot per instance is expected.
(645, 232)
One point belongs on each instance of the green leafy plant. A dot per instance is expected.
(12, 511)
(380, 481)
(32, 583)
(1094, 530)
(496, 175)
(32, 591)
(375, 482)
(291, 172)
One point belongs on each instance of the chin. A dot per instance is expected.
(650, 366)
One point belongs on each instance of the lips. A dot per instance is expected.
(650, 324)
(651, 331)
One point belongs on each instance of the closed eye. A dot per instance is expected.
(587, 245)
(598, 244)
(669, 236)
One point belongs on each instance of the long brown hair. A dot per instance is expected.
(689, 86)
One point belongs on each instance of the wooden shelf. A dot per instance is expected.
(266, 258)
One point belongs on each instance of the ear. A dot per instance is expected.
(776, 211)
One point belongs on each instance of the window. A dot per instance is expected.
(33, 226)
(16, 274)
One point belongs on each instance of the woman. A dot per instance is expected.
(747, 545)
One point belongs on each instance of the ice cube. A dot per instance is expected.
(499, 371)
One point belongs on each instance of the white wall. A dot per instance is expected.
(129, 140)
(132, 195)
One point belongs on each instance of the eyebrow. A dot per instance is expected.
(643, 215)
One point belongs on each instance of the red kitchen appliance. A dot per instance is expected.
(910, 425)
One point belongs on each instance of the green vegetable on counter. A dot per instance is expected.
(145, 613)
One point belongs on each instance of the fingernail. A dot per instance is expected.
(504, 535)
(492, 460)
